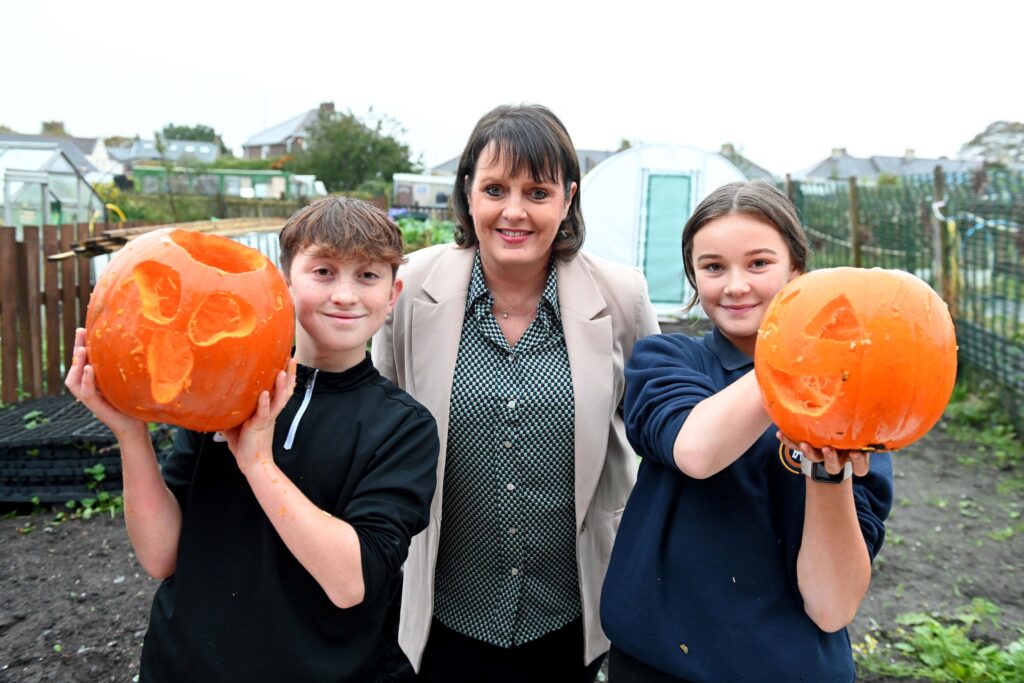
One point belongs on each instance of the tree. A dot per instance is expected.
(198, 132)
(345, 151)
(6, 129)
(54, 128)
(118, 141)
(1001, 143)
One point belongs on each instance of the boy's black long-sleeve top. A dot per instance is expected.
(240, 606)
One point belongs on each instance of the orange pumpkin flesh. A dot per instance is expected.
(188, 329)
(856, 359)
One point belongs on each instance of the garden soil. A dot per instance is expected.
(74, 603)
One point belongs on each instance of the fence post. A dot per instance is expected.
(51, 296)
(789, 188)
(33, 248)
(854, 223)
(8, 316)
(945, 265)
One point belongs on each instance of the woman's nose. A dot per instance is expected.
(513, 209)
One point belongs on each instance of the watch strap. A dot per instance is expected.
(817, 472)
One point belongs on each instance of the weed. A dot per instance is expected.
(940, 648)
(34, 419)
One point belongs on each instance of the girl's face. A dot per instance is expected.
(740, 262)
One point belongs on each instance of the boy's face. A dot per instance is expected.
(339, 305)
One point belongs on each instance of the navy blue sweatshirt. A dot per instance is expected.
(702, 581)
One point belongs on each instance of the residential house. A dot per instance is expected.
(840, 165)
(749, 168)
(176, 151)
(284, 137)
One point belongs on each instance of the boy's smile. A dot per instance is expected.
(339, 305)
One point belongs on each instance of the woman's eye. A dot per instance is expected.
(760, 263)
(713, 267)
(539, 194)
(492, 191)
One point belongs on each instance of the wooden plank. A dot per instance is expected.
(8, 316)
(68, 309)
(51, 295)
(35, 322)
(84, 278)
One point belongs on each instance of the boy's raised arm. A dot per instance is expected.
(326, 546)
(152, 514)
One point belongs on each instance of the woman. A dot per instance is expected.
(516, 341)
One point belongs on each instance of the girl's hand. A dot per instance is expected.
(81, 382)
(834, 459)
(252, 442)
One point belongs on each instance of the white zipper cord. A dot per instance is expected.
(302, 409)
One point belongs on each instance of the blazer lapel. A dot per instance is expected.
(588, 339)
(437, 315)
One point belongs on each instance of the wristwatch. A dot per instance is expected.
(817, 472)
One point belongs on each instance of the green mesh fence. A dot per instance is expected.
(979, 226)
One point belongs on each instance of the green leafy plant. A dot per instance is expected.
(33, 419)
(418, 233)
(101, 502)
(943, 648)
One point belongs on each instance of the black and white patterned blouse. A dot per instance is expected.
(506, 570)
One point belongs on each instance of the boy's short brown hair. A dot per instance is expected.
(343, 228)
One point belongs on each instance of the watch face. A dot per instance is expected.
(820, 474)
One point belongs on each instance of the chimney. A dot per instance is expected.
(838, 152)
(727, 149)
(327, 107)
(909, 154)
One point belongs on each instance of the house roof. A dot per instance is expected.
(174, 150)
(841, 165)
(292, 128)
(70, 149)
(749, 168)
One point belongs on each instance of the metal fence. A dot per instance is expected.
(961, 233)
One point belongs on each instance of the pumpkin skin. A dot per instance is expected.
(188, 329)
(856, 359)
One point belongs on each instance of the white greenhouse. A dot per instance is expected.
(636, 203)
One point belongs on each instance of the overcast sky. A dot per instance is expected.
(784, 81)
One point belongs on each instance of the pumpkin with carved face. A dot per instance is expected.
(856, 359)
(188, 329)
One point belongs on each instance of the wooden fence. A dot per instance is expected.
(42, 302)
(45, 283)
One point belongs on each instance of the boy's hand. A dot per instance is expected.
(81, 382)
(834, 459)
(252, 442)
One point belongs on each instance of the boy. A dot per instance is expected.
(280, 540)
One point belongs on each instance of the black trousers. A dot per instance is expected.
(557, 657)
(623, 668)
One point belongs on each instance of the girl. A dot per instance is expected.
(729, 564)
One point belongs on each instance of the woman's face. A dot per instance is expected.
(516, 218)
(740, 262)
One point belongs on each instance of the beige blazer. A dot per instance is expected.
(605, 309)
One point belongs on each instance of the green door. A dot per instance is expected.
(668, 208)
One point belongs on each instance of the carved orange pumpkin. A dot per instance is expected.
(188, 329)
(856, 359)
